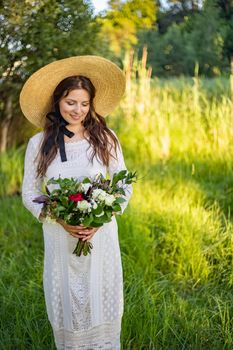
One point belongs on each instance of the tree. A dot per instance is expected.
(197, 38)
(124, 19)
(176, 11)
(32, 34)
(185, 5)
(226, 14)
(166, 53)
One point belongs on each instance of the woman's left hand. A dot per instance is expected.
(89, 233)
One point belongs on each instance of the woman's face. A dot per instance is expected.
(75, 106)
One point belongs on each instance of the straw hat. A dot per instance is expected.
(108, 79)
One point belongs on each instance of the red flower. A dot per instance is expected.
(76, 197)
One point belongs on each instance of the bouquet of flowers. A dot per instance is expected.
(91, 202)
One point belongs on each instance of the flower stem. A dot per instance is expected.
(79, 247)
(83, 247)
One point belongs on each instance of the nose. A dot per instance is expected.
(77, 109)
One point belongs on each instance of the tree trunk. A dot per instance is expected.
(6, 124)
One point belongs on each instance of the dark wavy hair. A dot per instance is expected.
(101, 138)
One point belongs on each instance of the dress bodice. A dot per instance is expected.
(79, 165)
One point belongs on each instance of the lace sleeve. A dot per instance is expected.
(116, 165)
(31, 187)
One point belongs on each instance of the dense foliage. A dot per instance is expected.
(187, 33)
(32, 34)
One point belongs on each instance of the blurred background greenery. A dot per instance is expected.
(181, 36)
(175, 126)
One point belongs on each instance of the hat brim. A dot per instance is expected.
(108, 79)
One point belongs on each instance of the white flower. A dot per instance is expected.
(83, 205)
(96, 193)
(99, 195)
(102, 196)
(109, 199)
(94, 204)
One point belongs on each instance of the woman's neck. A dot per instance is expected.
(76, 129)
(79, 133)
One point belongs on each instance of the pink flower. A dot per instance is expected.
(78, 197)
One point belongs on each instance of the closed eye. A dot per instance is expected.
(71, 104)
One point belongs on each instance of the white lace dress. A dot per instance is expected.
(84, 295)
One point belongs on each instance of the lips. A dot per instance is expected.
(76, 116)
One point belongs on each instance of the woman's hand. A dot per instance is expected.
(85, 233)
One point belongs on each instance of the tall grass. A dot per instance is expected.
(11, 171)
(175, 237)
(166, 122)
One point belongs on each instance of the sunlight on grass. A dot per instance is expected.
(176, 236)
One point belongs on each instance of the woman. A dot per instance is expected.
(69, 99)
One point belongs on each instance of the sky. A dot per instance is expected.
(100, 5)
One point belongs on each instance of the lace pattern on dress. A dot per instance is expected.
(81, 333)
(91, 339)
(31, 186)
(80, 293)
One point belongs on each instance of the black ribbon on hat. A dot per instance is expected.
(58, 123)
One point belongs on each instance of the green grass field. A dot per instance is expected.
(176, 236)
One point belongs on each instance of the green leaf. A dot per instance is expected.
(118, 176)
(109, 214)
(101, 219)
(117, 207)
(86, 180)
(96, 224)
(120, 200)
(60, 208)
(52, 181)
(64, 201)
(98, 210)
(87, 220)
